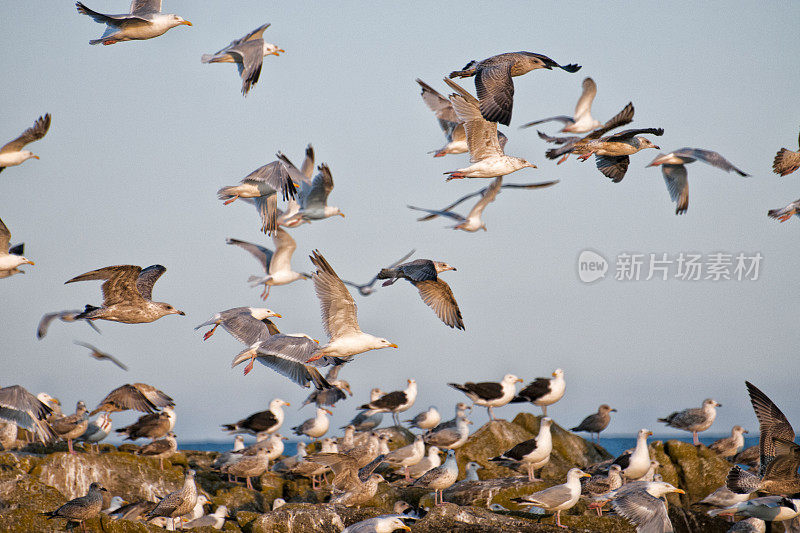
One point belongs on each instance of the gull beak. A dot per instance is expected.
(657, 147)
(286, 404)
(35, 156)
(519, 380)
(745, 431)
(392, 345)
(30, 262)
(613, 410)
(341, 215)
(586, 475)
(649, 433)
(554, 374)
(680, 491)
(327, 411)
(186, 22)
(180, 313)
(277, 315)
(315, 340)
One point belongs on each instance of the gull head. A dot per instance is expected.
(175, 20)
(644, 142)
(331, 211)
(167, 309)
(511, 379)
(272, 50)
(383, 343)
(711, 403)
(441, 266)
(277, 402)
(261, 313)
(22, 260)
(519, 163)
(558, 373)
(27, 154)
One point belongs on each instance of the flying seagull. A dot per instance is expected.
(248, 53)
(127, 293)
(64, 316)
(138, 396)
(582, 121)
(10, 257)
(101, 356)
(674, 170)
(494, 83)
(22, 408)
(144, 21)
(472, 222)
(312, 202)
(246, 324)
(786, 161)
(785, 213)
(12, 153)
(368, 288)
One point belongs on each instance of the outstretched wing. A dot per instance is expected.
(339, 310)
(710, 157)
(34, 133)
(120, 285)
(147, 278)
(438, 296)
(263, 255)
(496, 92)
(677, 185)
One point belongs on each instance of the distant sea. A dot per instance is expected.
(615, 445)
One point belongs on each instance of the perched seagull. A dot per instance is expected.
(597, 422)
(178, 503)
(71, 427)
(314, 427)
(139, 396)
(724, 497)
(694, 419)
(600, 484)
(152, 426)
(380, 524)
(360, 494)
(635, 464)
(277, 265)
(12, 153)
(364, 422)
(407, 455)
(644, 507)
(25, 410)
(543, 391)
(490, 394)
(215, 519)
(785, 213)
(472, 471)
(81, 508)
(10, 256)
(767, 508)
(674, 170)
(494, 83)
(431, 460)
(449, 438)
(245, 324)
(435, 292)
(786, 161)
(160, 449)
(472, 222)
(127, 293)
(338, 391)
(460, 412)
(533, 453)
(64, 316)
(144, 21)
(249, 466)
(730, 446)
(96, 431)
(394, 402)
(101, 356)
(248, 53)
(558, 498)
(263, 185)
(440, 478)
(582, 121)
(368, 288)
(486, 155)
(268, 421)
(426, 420)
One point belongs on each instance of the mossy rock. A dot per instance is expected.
(239, 498)
(490, 440)
(699, 470)
(575, 450)
(451, 517)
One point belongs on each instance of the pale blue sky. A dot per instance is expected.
(143, 135)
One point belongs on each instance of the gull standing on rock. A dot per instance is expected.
(440, 478)
(533, 453)
(248, 466)
(380, 524)
(339, 390)
(72, 426)
(12, 153)
(461, 412)
(82, 508)
(152, 426)
(407, 455)
(430, 461)
(144, 21)
(394, 402)
(160, 449)
(693, 419)
(314, 427)
(449, 438)
(248, 53)
(543, 391)
(215, 519)
(558, 498)
(360, 494)
(635, 464)
(10, 257)
(426, 420)
(367, 422)
(96, 431)
(597, 422)
(600, 484)
(486, 154)
(730, 446)
(178, 503)
(786, 161)
(268, 421)
(127, 293)
(582, 121)
(490, 394)
(64, 316)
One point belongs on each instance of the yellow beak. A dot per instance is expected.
(30, 262)
(277, 315)
(393, 345)
(680, 491)
(342, 215)
(186, 22)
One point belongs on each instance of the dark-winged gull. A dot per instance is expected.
(127, 293)
(406, 456)
(558, 498)
(12, 153)
(96, 431)
(263, 185)
(730, 446)
(379, 524)
(533, 453)
(543, 391)
(472, 222)
(160, 449)
(144, 21)
(494, 83)
(178, 503)
(767, 508)
(785, 213)
(83, 507)
(339, 390)
(490, 394)
(426, 420)
(582, 121)
(435, 292)
(644, 507)
(365, 289)
(314, 427)
(277, 265)
(152, 426)
(394, 402)
(367, 422)
(786, 161)
(597, 422)
(248, 53)
(448, 120)
(449, 438)
(72, 426)
(268, 421)
(674, 170)
(139, 396)
(440, 478)
(25, 410)
(635, 464)
(486, 154)
(693, 419)
(101, 356)
(345, 467)
(64, 316)
(10, 257)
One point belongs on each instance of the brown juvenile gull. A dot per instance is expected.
(582, 121)
(64, 316)
(394, 402)
(486, 154)
(449, 438)
(494, 84)
(277, 265)
(263, 185)
(785, 213)
(558, 498)
(268, 421)
(339, 390)
(152, 426)
(101, 356)
(596, 422)
(693, 419)
(178, 503)
(730, 446)
(674, 170)
(10, 256)
(379, 524)
(139, 396)
(435, 292)
(81, 508)
(249, 466)
(368, 288)
(127, 293)
(23, 409)
(600, 484)
(12, 153)
(786, 161)
(248, 53)
(543, 391)
(533, 453)
(644, 507)
(144, 21)
(426, 420)
(440, 478)
(360, 494)
(490, 394)
(72, 426)
(160, 449)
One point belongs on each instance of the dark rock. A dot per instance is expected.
(304, 517)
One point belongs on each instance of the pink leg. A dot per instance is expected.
(265, 294)
(69, 446)
(209, 333)
(558, 520)
(228, 201)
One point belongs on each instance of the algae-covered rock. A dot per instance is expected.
(452, 518)
(302, 517)
(569, 447)
(490, 440)
(699, 471)
(500, 490)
